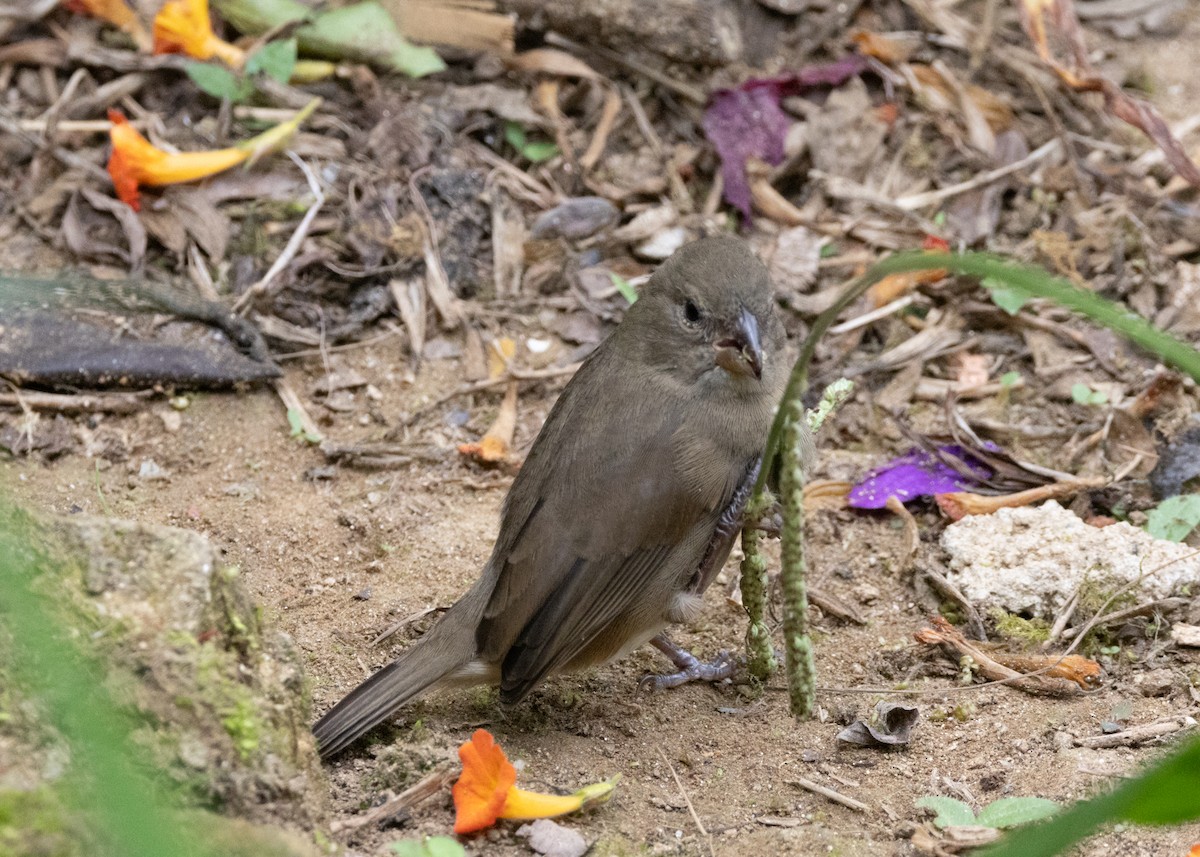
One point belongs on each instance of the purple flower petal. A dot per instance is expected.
(748, 122)
(915, 474)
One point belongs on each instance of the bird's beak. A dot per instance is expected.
(740, 353)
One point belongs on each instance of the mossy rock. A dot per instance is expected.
(221, 698)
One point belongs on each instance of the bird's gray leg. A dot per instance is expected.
(690, 667)
(724, 665)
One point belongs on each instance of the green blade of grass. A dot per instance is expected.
(102, 780)
(1168, 793)
(993, 269)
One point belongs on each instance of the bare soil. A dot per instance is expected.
(334, 562)
(337, 557)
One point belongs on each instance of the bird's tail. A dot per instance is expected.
(418, 669)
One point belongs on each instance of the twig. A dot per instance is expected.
(112, 403)
(604, 126)
(488, 383)
(542, 195)
(687, 800)
(263, 286)
(943, 585)
(872, 316)
(920, 200)
(293, 405)
(685, 90)
(437, 284)
(835, 796)
(429, 786)
(912, 532)
(1116, 616)
(1061, 620)
(396, 626)
(1135, 735)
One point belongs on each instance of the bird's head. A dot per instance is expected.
(710, 308)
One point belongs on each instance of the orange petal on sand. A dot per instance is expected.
(486, 790)
(184, 27)
(483, 787)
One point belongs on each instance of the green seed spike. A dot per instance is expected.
(801, 670)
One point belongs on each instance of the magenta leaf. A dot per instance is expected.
(747, 121)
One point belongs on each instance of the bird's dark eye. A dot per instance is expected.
(691, 312)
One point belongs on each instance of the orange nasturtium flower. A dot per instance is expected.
(487, 790)
(135, 161)
(183, 27)
(117, 13)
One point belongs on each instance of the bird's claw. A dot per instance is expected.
(691, 668)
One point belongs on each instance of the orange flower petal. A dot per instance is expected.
(483, 787)
(135, 161)
(184, 27)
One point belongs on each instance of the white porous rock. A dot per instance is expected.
(1033, 559)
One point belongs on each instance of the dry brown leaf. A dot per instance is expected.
(409, 295)
(971, 370)
(552, 61)
(895, 285)
(888, 48)
(959, 504)
(1040, 18)
(134, 231)
(472, 25)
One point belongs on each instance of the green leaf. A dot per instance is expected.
(218, 81)
(624, 287)
(274, 59)
(540, 150)
(443, 846)
(535, 151)
(514, 135)
(1007, 296)
(296, 424)
(1082, 394)
(950, 812)
(431, 846)
(360, 32)
(1168, 793)
(829, 250)
(1174, 518)
(1008, 379)
(1015, 811)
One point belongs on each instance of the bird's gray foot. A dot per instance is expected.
(690, 667)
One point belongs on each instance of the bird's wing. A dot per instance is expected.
(608, 529)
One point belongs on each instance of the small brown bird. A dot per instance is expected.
(628, 503)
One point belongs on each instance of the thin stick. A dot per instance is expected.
(263, 286)
(488, 383)
(604, 126)
(427, 787)
(872, 316)
(293, 405)
(112, 403)
(921, 200)
(686, 90)
(835, 796)
(687, 800)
